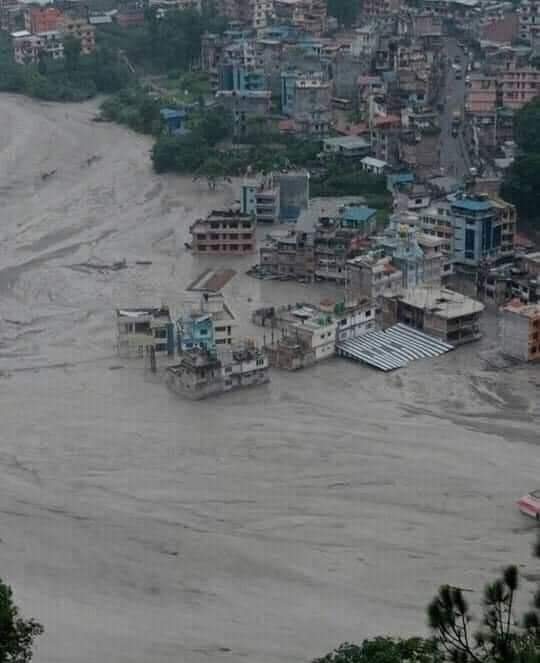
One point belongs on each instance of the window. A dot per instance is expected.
(142, 327)
(368, 314)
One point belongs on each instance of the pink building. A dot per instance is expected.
(481, 94)
(518, 86)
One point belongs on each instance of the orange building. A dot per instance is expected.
(42, 19)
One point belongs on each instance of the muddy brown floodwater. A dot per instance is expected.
(264, 526)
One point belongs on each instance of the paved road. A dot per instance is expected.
(454, 158)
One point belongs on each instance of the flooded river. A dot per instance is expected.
(264, 526)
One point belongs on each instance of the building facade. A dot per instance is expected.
(442, 313)
(478, 231)
(80, 29)
(43, 19)
(520, 330)
(141, 330)
(224, 232)
(371, 276)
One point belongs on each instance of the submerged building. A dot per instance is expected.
(520, 330)
(141, 330)
(202, 373)
(442, 313)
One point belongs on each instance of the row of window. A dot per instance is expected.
(215, 225)
(226, 247)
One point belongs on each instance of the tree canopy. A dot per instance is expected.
(17, 634)
(521, 184)
(527, 127)
(345, 11)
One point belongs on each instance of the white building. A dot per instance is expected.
(372, 276)
(319, 334)
(355, 320)
(374, 166)
(142, 329)
(224, 320)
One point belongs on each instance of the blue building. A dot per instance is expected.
(196, 331)
(477, 230)
(175, 120)
(239, 78)
(288, 91)
(358, 217)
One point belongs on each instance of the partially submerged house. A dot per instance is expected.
(143, 330)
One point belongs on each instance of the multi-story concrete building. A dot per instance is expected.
(371, 276)
(529, 20)
(28, 48)
(312, 111)
(511, 86)
(419, 258)
(443, 313)
(144, 330)
(224, 232)
(245, 107)
(478, 231)
(437, 221)
(223, 318)
(43, 19)
(290, 256)
(203, 373)
(240, 78)
(520, 330)
(518, 85)
(482, 96)
(260, 199)
(80, 29)
(375, 8)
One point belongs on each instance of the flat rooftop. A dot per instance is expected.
(441, 301)
(525, 310)
(349, 142)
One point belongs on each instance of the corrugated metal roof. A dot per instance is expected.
(392, 348)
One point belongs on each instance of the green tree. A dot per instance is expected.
(384, 650)
(42, 63)
(345, 11)
(212, 169)
(527, 127)
(17, 634)
(501, 638)
(521, 185)
(72, 54)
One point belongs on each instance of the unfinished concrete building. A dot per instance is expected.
(520, 330)
(443, 313)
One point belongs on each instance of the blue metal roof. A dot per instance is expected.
(358, 213)
(472, 205)
(170, 113)
(401, 178)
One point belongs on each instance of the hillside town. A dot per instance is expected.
(416, 100)
(270, 329)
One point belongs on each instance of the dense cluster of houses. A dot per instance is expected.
(45, 29)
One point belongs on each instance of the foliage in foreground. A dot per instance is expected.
(521, 184)
(384, 650)
(501, 636)
(17, 634)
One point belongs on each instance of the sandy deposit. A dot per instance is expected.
(264, 526)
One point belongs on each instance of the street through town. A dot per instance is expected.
(453, 154)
